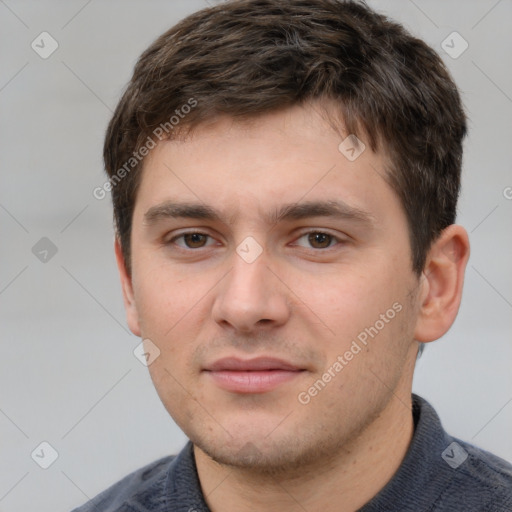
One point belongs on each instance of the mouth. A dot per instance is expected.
(258, 375)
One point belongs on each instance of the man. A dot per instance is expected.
(284, 177)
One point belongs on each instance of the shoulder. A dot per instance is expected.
(142, 485)
(477, 478)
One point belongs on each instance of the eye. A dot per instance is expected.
(319, 239)
(190, 240)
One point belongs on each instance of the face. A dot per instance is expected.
(274, 276)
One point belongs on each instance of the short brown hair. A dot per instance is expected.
(244, 58)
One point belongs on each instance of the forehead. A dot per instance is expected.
(262, 166)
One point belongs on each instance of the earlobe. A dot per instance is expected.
(441, 284)
(132, 315)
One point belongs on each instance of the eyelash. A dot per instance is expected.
(306, 233)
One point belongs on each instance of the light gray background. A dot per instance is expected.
(67, 372)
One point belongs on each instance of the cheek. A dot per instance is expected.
(169, 309)
(345, 300)
(368, 306)
(164, 299)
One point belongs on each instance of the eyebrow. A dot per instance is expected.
(294, 211)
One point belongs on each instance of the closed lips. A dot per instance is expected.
(251, 365)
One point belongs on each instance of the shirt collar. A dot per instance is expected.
(422, 471)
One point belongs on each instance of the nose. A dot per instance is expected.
(251, 297)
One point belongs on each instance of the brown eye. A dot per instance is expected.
(319, 240)
(195, 240)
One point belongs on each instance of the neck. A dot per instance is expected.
(344, 483)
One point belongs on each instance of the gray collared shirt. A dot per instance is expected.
(438, 474)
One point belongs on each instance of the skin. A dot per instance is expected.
(298, 301)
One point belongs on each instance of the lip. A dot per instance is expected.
(257, 375)
(251, 365)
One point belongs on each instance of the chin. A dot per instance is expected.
(266, 454)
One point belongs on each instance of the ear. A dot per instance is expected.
(441, 283)
(132, 315)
